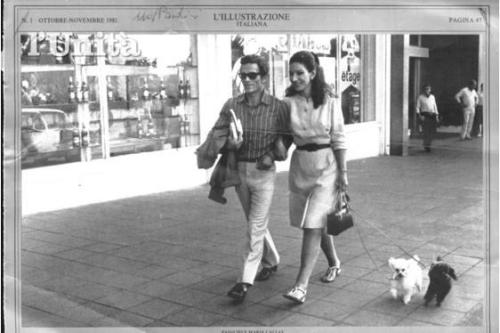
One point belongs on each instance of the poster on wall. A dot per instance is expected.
(174, 168)
(350, 63)
(350, 77)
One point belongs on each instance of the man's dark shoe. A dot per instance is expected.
(266, 273)
(238, 292)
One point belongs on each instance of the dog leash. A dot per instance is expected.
(387, 237)
(364, 247)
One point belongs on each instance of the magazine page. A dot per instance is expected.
(239, 167)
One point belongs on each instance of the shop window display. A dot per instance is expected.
(147, 100)
(47, 119)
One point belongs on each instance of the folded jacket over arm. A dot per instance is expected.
(208, 151)
(225, 173)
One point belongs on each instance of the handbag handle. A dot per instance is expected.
(342, 201)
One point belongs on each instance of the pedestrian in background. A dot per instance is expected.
(263, 118)
(467, 98)
(477, 127)
(317, 167)
(427, 111)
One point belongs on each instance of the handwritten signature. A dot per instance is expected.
(164, 13)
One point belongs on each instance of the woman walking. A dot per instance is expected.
(318, 165)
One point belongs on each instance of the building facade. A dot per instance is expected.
(97, 97)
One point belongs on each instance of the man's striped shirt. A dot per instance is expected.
(261, 124)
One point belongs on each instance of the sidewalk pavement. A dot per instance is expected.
(168, 259)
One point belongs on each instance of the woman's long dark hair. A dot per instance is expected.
(319, 88)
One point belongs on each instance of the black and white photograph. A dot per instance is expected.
(246, 167)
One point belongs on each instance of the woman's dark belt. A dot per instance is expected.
(313, 146)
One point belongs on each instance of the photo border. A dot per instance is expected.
(11, 162)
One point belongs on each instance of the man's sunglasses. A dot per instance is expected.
(250, 75)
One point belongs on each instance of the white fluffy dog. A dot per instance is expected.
(407, 276)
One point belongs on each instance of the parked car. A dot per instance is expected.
(46, 137)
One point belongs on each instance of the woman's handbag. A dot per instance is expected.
(341, 218)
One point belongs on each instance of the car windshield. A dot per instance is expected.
(32, 121)
(55, 120)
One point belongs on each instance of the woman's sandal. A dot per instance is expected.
(296, 294)
(331, 274)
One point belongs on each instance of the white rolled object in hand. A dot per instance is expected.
(232, 130)
(238, 128)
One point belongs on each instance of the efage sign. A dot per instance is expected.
(110, 44)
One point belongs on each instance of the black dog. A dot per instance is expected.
(440, 275)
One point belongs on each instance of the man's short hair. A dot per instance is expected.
(258, 60)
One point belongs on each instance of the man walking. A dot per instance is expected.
(263, 118)
(427, 111)
(467, 98)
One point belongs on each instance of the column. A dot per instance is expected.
(382, 89)
(399, 96)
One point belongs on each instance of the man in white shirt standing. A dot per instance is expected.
(467, 98)
(427, 111)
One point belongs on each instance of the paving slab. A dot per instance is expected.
(193, 317)
(156, 308)
(262, 314)
(155, 288)
(92, 291)
(437, 316)
(61, 284)
(330, 311)
(232, 322)
(81, 314)
(125, 319)
(302, 320)
(223, 305)
(386, 304)
(123, 300)
(370, 318)
(186, 296)
(33, 275)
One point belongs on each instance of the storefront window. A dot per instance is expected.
(148, 98)
(340, 57)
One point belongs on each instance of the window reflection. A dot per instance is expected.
(339, 55)
(150, 96)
